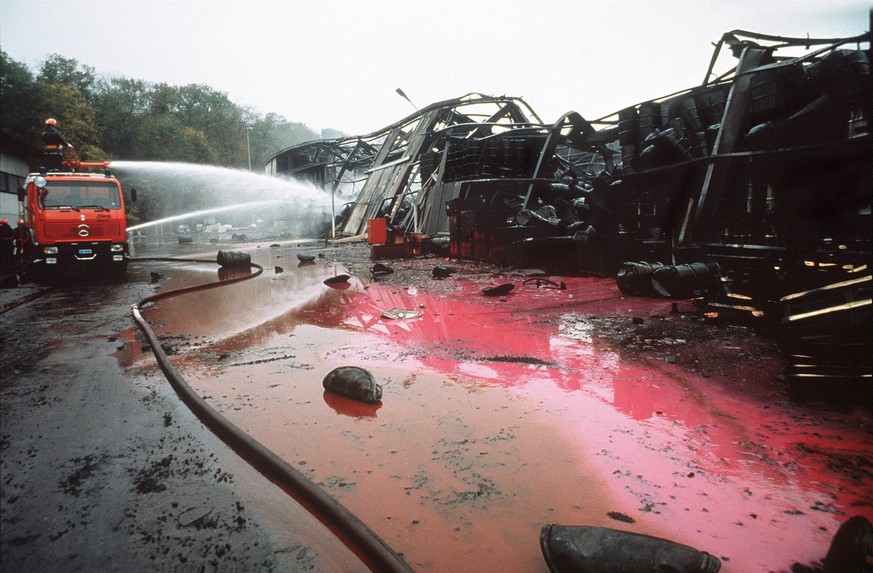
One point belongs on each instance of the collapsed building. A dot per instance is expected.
(754, 187)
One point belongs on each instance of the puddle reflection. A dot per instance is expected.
(348, 407)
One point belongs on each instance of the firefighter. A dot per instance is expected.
(7, 238)
(22, 238)
(53, 144)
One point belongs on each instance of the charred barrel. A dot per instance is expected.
(687, 280)
(233, 259)
(353, 382)
(588, 549)
(635, 279)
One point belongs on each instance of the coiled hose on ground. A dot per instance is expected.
(355, 534)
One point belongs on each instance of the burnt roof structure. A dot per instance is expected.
(779, 143)
(723, 163)
(385, 170)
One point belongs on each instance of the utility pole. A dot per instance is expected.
(404, 96)
(249, 145)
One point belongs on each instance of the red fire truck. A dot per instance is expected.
(74, 220)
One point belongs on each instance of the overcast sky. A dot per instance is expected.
(337, 63)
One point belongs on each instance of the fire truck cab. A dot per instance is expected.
(74, 220)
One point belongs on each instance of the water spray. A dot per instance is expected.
(205, 213)
(168, 189)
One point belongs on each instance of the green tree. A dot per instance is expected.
(123, 106)
(22, 100)
(195, 147)
(273, 133)
(58, 70)
(211, 113)
(161, 137)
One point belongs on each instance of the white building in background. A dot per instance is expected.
(16, 158)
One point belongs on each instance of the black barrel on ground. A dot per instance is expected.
(589, 549)
(635, 279)
(233, 259)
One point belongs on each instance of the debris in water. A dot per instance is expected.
(380, 270)
(353, 382)
(540, 282)
(619, 516)
(338, 279)
(442, 272)
(193, 514)
(499, 290)
(397, 313)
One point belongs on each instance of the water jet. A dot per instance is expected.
(204, 195)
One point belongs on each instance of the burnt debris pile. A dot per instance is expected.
(764, 171)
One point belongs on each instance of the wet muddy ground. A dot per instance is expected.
(503, 414)
(103, 469)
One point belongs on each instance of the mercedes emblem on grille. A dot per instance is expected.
(84, 230)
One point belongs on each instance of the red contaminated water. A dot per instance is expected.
(500, 415)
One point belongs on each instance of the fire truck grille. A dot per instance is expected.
(95, 231)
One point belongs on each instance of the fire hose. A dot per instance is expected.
(354, 533)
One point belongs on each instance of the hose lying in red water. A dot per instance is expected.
(359, 538)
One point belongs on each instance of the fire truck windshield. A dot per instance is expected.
(80, 195)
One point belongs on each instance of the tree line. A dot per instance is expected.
(119, 118)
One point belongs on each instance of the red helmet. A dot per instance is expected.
(4, 220)
(21, 221)
(51, 121)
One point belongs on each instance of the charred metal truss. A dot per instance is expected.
(490, 148)
(766, 169)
